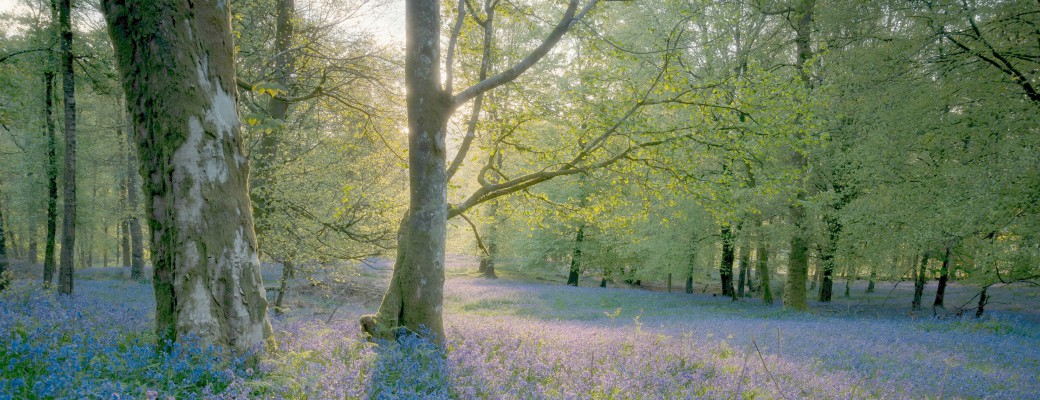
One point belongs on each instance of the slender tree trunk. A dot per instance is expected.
(49, 263)
(919, 281)
(68, 231)
(944, 276)
(798, 267)
(742, 273)
(827, 256)
(267, 154)
(133, 222)
(177, 67)
(122, 229)
(283, 285)
(763, 272)
(33, 256)
(849, 277)
(415, 296)
(983, 299)
(726, 264)
(487, 261)
(575, 271)
(3, 249)
(873, 277)
(690, 272)
(104, 248)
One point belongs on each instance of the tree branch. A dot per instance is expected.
(478, 102)
(452, 41)
(522, 66)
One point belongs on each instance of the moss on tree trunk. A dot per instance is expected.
(178, 75)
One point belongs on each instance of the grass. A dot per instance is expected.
(518, 340)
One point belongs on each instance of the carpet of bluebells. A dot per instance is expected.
(509, 340)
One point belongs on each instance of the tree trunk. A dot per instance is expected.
(124, 239)
(68, 231)
(575, 271)
(873, 277)
(133, 221)
(726, 265)
(983, 299)
(919, 282)
(177, 67)
(52, 180)
(283, 285)
(267, 154)
(798, 267)
(415, 296)
(3, 250)
(742, 277)
(487, 261)
(33, 256)
(944, 276)
(827, 278)
(763, 272)
(849, 277)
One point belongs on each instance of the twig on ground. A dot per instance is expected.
(766, 367)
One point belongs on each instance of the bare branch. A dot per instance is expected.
(476, 235)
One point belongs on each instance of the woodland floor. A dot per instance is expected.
(529, 336)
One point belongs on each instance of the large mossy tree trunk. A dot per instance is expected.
(798, 265)
(68, 224)
(177, 67)
(726, 265)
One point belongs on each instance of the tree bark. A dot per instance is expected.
(49, 263)
(726, 265)
(798, 267)
(133, 224)
(944, 276)
(487, 261)
(762, 253)
(68, 231)
(827, 278)
(283, 285)
(267, 154)
(873, 277)
(177, 67)
(690, 271)
(983, 299)
(3, 249)
(919, 282)
(414, 299)
(575, 271)
(742, 275)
